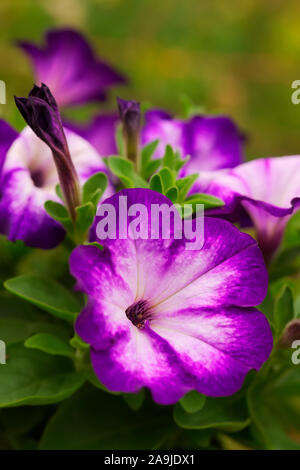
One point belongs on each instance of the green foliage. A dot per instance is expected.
(19, 320)
(135, 400)
(93, 189)
(124, 170)
(228, 414)
(283, 309)
(275, 412)
(58, 212)
(34, 378)
(45, 294)
(50, 344)
(80, 423)
(192, 402)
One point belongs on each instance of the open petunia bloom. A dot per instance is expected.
(167, 318)
(67, 64)
(28, 179)
(267, 190)
(212, 142)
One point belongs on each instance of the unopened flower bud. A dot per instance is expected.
(41, 113)
(130, 114)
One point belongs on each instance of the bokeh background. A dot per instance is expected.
(235, 57)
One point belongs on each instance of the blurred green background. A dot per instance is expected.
(235, 57)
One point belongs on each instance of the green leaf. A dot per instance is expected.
(85, 217)
(192, 401)
(185, 184)
(58, 212)
(283, 309)
(147, 152)
(19, 320)
(96, 420)
(50, 344)
(77, 343)
(135, 400)
(59, 192)
(32, 377)
(275, 411)
(285, 264)
(167, 178)
(228, 413)
(45, 294)
(94, 188)
(209, 202)
(169, 158)
(172, 194)
(151, 168)
(292, 232)
(124, 170)
(120, 166)
(156, 183)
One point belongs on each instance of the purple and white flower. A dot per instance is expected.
(173, 320)
(68, 65)
(28, 179)
(267, 190)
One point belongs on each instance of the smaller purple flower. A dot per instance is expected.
(171, 319)
(130, 114)
(69, 67)
(267, 190)
(212, 142)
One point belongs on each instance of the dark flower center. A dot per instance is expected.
(37, 177)
(138, 313)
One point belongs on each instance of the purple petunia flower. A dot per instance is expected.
(69, 67)
(211, 142)
(28, 179)
(267, 189)
(170, 319)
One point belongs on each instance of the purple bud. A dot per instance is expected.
(41, 113)
(130, 114)
(290, 334)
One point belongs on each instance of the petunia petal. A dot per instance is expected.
(219, 346)
(211, 142)
(7, 136)
(100, 132)
(267, 189)
(69, 67)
